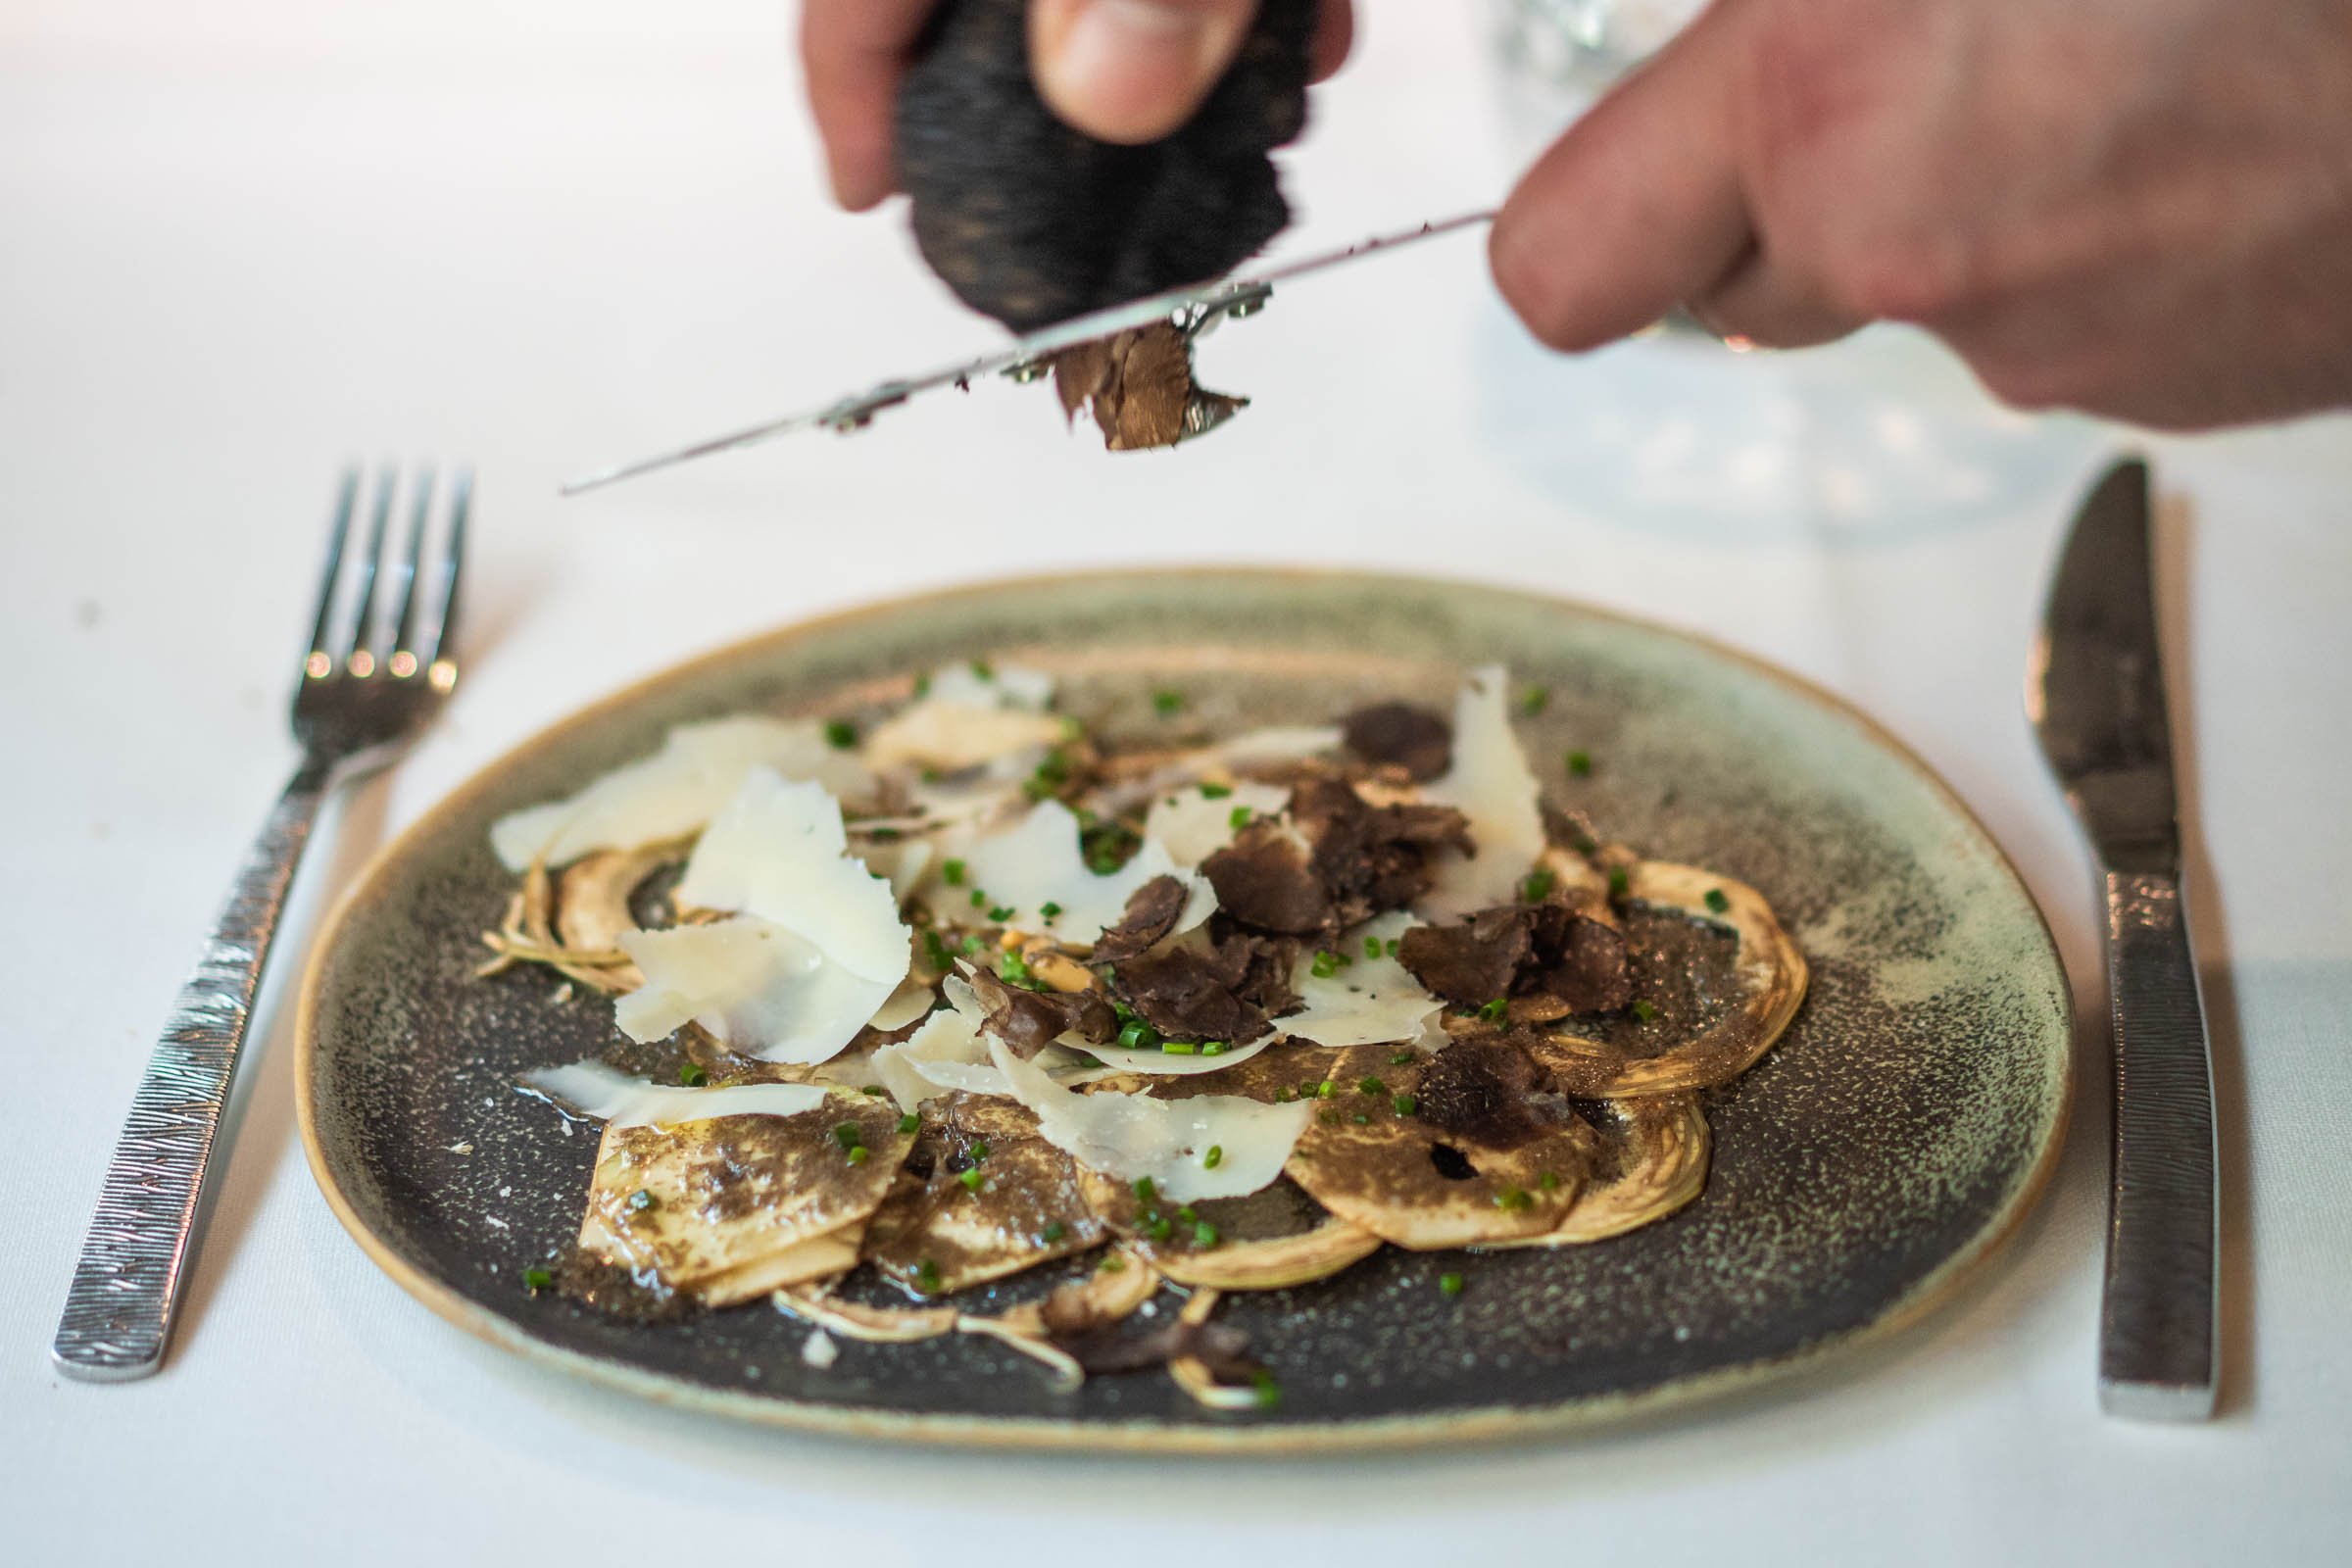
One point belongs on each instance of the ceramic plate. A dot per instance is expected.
(1882, 1149)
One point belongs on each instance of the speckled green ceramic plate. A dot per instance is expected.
(1887, 1145)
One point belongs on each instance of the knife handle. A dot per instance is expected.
(2156, 1322)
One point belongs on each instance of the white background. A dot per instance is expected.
(240, 241)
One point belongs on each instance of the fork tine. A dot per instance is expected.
(359, 659)
(405, 617)
(453, 564)
(347, 497)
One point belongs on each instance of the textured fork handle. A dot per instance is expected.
(120, 1307)
(2156, 1324)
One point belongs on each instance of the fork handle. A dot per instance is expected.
(2156, 1323)
(125, 1290)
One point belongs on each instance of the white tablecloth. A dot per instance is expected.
(242, 240)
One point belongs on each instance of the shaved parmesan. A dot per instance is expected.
(778, 852)
(1193, 826)
(1259, 748)
(1124, 1058)
(1490, 784)
(947, 1035)
(975, 685)
(1368, 1000)
(1037, 863)
(592, 1088)
(757, 986)
(1129, 1136)
(672, 793)
(910, 1001)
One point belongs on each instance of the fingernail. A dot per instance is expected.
(1119, 57)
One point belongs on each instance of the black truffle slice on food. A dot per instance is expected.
(1032, 223)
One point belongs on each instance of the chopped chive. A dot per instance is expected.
(1205, 1234)
(1144, 1190)
(1719, 901)
(978, 1152)
(926, 1277)
(971, 946)
(1362, 1121)
(1111, 1264)
(857, 1154)
(1014, 970)
(1269, 1392)
(1240, 817)
(1390, 946)
(884, 835)
(1285, 1095)
(1137, 1035)
(537, 1279)
(1449, 1284)
(1494, 1010)
(1371, 947)
(846, 1135)
(1583, 843)
(840, 734)
(937, 952)
(1160, 1228)
(1512, 1198)
(1180, 1047)
(999, 915)
(973, 1179)
(693, 1076)
(1325, 1089)
(1185, 1215)
(1053, 1232)
(1050, 909)
(1370, 1086)
(1537, 887)
(1215, 792)
(1214, 1047)
(640, 1200)
(1071, 729)
(1645, 1009)
(1404, 1105)
(873, 1089)
(1619, 881)
(952, 872)
(1531, 700)
(922, 686)
(1167, 702)
(1581, 763)
(1329, 1118)
(1548, 1181)
(979, 899)
(1326, 964)
(1215, 1157)
(984, 670)
(911, 1123)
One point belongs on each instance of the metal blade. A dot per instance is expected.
(1194, 309)
(2097, 691)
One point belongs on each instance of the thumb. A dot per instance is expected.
(1132, 71)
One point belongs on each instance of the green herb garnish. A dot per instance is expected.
(1645, 1009)
(1537, 888)
(693, 1076)
(1326, 964)
(1240, 817)
(1619, 881)
(1215, 792)
(1215, 1157)
(1718, 900)
(1053, 1232)
(1180, 1047)
(1580, 763)
(1512, 1198)
(537, 1279)
(1205, 1234)
(952, 872)
(1449, 1284)
(1492, 1011)
(840, 734)
(1404, 1105)
(1167, 702)
(911, 1123)
(1531, 700)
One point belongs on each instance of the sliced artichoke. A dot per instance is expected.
(939, 1231)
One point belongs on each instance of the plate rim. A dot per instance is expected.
(1476, 1424)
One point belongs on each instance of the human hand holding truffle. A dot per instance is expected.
(1125, 72)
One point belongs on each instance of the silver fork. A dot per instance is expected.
(353, 712)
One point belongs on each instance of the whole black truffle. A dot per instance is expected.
(1034, 222)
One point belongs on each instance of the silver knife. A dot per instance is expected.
(1196, 310)
(2096, 698)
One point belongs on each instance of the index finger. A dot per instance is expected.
(1637, 207)
(852, 52)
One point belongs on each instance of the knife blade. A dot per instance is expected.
(2096, 696)
(1196, 310)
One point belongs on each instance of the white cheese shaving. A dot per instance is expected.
(672, 793)
(1000, 686)
(1368, 1001)
(950, 1036)
(1037, 861)
(778, 852)
(1193, 826)
(1129, 1136)
(1124, 1058)
(592, 1088)
(912, 1000)
(757, 986)
(1490, 784)
(1282, 744)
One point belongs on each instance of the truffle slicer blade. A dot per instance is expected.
(1195, 310)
